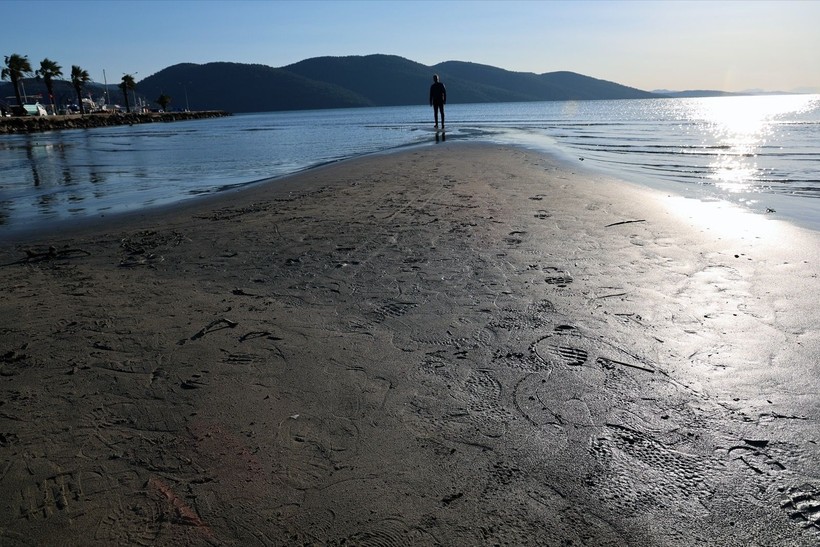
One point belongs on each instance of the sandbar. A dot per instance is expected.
(462, 344)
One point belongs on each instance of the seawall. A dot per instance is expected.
(35, 124)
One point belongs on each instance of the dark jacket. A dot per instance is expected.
(438, 94)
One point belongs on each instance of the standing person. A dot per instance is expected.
(438, 97)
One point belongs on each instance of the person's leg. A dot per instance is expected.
(435, 114)
(442, 116)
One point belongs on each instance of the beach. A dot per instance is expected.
(463, 344)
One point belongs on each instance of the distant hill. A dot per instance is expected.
(698, 93)
(694, 93)
(372, 80)
(388, 80)
(527, 86)
(239, 87)
(352, 81)
(382, 80)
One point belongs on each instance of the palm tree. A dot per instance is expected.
(127, 84)
(49, 71)
(79, 78)
(17, 66)
(163, 101)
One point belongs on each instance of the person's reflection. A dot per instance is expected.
(95, 171)
(65, 168)
(35, 172)
(441, 137)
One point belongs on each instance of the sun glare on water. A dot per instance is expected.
(742, 126)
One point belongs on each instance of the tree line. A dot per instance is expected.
(18, 67)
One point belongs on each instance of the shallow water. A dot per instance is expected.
(761, 152)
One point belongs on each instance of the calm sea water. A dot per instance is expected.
(761, 152)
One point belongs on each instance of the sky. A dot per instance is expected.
(734, 45)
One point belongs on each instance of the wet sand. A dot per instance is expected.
(454, 345)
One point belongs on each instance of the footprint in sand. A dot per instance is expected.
(388, 532)
(637, 473)
(310, 447)
(553, 402)
(802, 503)
(484, 403)
(557, 277)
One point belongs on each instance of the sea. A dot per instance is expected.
(759, 152)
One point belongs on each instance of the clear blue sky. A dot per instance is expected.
(726, 45)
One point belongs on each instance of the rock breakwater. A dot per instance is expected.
(35, 124)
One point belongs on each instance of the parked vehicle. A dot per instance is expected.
(35, 109)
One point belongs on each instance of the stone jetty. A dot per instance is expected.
(36, 124)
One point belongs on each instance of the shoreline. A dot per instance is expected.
(39, 124)
(560, 156)
(58, 184)
(461, 344)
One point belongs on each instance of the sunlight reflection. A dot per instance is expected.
(723, 218)
(742, 126)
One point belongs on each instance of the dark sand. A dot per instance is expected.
(455, 345)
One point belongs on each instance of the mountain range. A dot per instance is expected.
(352, 81)
(372, 80)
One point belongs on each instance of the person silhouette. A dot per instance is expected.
(438, 97)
